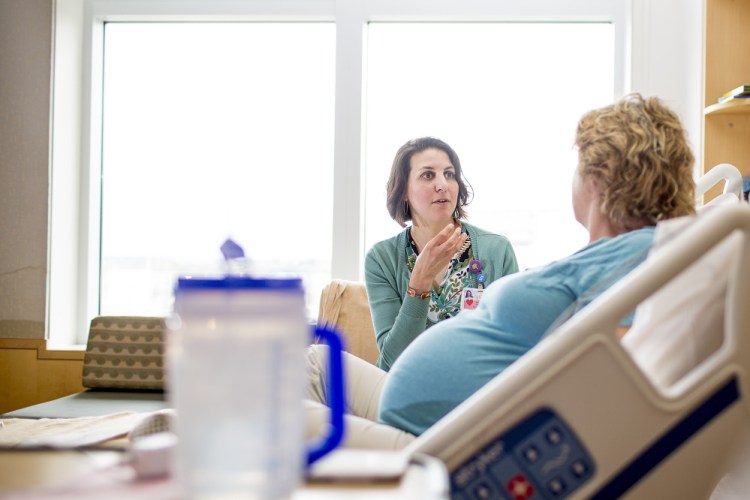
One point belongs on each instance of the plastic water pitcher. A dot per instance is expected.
(237, 375)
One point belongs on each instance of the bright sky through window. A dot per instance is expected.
(506, 97)
(216, 130)
(211, 131)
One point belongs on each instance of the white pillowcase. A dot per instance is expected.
(682, 323)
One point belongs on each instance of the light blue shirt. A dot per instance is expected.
(398, 318)
(453, 359)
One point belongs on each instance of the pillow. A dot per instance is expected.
(682, 323)
(125, 353)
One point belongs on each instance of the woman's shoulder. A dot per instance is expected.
(387, 248)
(626, 245)
(636, 238)
(482, 236)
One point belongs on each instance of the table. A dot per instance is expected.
(102, 473)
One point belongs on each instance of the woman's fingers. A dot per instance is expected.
(445, 244)
(445, 236)
(436, 255)
(455, 240)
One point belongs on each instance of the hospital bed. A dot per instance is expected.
(584, 415)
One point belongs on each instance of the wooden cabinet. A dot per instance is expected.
(726, 126)
(30, 374)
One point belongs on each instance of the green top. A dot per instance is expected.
(398, 319)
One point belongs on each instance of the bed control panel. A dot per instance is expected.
(540, 458)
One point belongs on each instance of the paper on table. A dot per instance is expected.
(66, 433)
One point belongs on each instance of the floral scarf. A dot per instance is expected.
(446, 301)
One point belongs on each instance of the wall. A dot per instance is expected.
(667, 50)
(25, 62)
(29, 373)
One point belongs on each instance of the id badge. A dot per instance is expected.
(470, 298)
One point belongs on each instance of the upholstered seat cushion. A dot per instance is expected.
(125, 353)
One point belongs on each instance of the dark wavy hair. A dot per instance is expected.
(638, 153)
(399, 179)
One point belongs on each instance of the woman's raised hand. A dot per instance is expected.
(434, 258)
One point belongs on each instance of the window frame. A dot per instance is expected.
(76, 155)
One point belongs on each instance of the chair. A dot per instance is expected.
(123, 371)
(125, 353)
(344, 304)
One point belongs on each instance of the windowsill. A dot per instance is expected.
(73, 352)
(44, 350)
(51, 346)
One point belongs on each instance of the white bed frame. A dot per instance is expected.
(723, 172)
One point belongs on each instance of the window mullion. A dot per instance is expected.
(348, 189)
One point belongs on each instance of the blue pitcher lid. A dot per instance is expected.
(187, 283)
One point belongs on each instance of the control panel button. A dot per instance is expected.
(556, 486)
(554, 436)
(579, 468)
(531, 454)
(520, 488)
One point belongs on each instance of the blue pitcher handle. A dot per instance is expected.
(335, 394)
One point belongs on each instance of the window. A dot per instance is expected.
(214, 131)
(507, 100)
(304, 87)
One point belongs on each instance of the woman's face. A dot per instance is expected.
(576, 195)
(584, 194)
(432, 190)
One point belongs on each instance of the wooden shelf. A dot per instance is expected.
(726, 126)
(733, 107)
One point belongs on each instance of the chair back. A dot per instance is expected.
(125, 352)
(344, 305)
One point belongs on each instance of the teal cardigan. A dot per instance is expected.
(398, 319)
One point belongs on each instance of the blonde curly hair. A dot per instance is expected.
(638, 154)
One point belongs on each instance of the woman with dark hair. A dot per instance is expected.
(420, 276)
